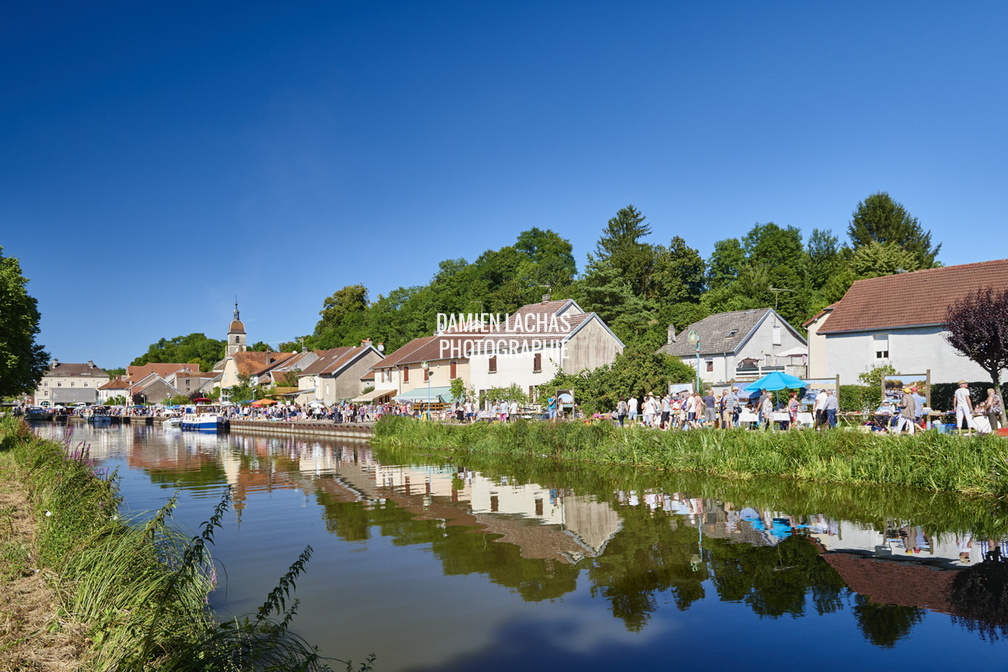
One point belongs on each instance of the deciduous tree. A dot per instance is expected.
(22, 360)
(977, 326)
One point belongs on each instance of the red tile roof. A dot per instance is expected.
(911, 299)
(332, 361)
(251, 363)
(163, 369)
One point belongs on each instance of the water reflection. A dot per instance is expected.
(640, 543)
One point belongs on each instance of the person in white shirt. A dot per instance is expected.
(964, 408)
(818, 409)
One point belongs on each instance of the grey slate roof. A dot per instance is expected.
(722, 332)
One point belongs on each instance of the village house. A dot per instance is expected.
(899, 320)
(249, 363)
(69, 384)
(741, 345)
(538, 341)
(336, 374)
(402, 375)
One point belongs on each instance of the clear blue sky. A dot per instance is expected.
(159, 159)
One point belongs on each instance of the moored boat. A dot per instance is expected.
(204, 418)
(98, 416)
(38, 414)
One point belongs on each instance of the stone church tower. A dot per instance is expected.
(236, 339)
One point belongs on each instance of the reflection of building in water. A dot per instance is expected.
(543, 523)
(906, 541)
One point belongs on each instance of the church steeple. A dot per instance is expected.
(236, 339)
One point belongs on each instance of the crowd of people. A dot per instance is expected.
(691, 410)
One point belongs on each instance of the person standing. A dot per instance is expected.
(964, 408)
(908, 409)
(994, 407)
(666, 410)
(632, 411)
(919, 401)
(730, 403)
(819, 410)
(792, 410)
(766, 410)
(710, 408)
(621, 411)
(830, 408)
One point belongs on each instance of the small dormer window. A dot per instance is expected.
(732, 333)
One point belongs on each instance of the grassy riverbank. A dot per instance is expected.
(131, 595)
(932, 461)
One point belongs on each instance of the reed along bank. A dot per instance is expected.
(975, 466)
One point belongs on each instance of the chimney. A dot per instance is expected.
(671, 334)
(365, 343)
(546, 297)
(55, 362)
(90, 364)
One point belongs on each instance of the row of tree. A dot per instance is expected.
(637, 286)
(640, 287)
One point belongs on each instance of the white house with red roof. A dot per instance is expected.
(536, 342)
(402, 374)
(899, 320)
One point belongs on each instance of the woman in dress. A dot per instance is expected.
(792, 409)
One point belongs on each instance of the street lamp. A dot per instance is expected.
(426, 367)
(694, 338)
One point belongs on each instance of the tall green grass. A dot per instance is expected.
(974, 466)
(624, 465)
(141, 588)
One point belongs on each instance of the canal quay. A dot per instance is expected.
(433, 564)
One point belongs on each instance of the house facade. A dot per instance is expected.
(402, 375)
(741, 345)
(538, 341)
(69, 384)
(336, 374)
(899, 320)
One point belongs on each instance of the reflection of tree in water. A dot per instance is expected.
(462, 550)
(884, 624)
(979, 597)
(776, 580)
(650, 554)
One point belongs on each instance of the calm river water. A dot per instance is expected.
(437, 566)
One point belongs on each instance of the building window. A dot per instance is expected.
(405, 374)
(710, 365)
(452, 371)
(492, 366)
(537, 363)
(881, 342)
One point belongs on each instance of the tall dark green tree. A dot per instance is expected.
(342, 320)
(22, 361)
(882, 220)
(620, 248)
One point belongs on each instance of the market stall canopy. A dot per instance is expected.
(777, 380)
(258, 403)
(441, 395)
(374, 394)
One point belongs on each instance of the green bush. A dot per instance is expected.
(857, 398)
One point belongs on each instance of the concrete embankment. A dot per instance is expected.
(312, 428)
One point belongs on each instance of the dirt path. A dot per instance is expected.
(32, 636)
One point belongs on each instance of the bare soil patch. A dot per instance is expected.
(32, 634)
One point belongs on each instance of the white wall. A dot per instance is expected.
(913, 350)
